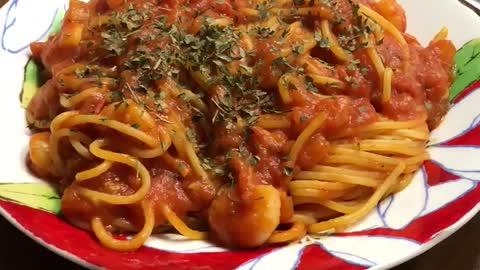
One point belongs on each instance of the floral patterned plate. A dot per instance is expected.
(443, 196)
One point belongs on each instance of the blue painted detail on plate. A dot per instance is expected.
(260, 258)
(473, 125)
(427, 190)
(253, 263)
(373, 227)
(453, 171)
(474, 186)
(381, 211)
(371, 263)
(397, 239)
(7, 26)
(381, 214)
(295, 265)
(458, 146)
(475, 122)
(299, 258)
(384, 212)
(367, 262)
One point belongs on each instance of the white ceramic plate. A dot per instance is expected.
(442, 197)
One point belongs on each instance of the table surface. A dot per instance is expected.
(461, 251)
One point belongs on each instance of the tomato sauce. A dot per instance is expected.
(145, 66)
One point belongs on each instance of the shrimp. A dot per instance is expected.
(39, 154)
(245, 223)
(393, 12)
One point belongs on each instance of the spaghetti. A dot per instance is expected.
(209, 117)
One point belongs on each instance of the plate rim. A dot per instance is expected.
(431, 243)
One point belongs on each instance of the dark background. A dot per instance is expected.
(461, 251)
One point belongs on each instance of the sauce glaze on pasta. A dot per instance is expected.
(245, 122)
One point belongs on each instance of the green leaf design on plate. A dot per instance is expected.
(467, 70)
(31, 82)
(38, 196)
(57, 23)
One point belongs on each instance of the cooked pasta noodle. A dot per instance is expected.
(283, 117)
(126, 245)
